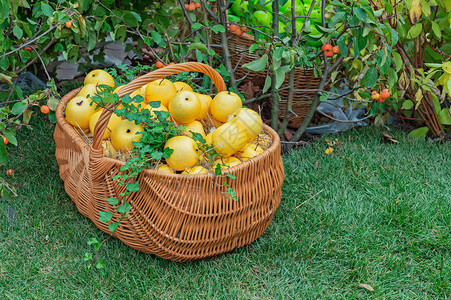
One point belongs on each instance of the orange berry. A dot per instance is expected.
(9, 172)
(244, 29)
(192, 6)
(197, 5)
(239, 31)
(329, 53)
(381, 99)
(233, 27)
(385, 93)
(326, 47)
(68, 24)
(159, 64)
(375, 96)
(5, 140)
(186, 5)
(171, 63)
(45, 109)
(336, 50)
(29, 49)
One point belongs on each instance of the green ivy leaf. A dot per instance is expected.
(113, 226)
(93, 241)
(233, 177)
(100, 264)
(124, 208)
(370, 77)
(112, 201)
(105, 216)
(132, 187)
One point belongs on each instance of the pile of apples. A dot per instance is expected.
(235, 133)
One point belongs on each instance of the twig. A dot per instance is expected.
(309, 199)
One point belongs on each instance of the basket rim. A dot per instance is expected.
(61, 120)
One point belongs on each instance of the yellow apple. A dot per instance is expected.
(249, 151)
(205, 102)
(165, 168)
(88, 91)
(160, 90)
(194, 126)
(226, 162)
(184, 107)
(250, 120)
(79, 111)
(112, 123)
(224, 104)
(185, 153)
(229, 138)
(195, 171)
(124, 134)
(181, 86)
(152, 111)
(98, 77)
(208, 138)
(108, 149)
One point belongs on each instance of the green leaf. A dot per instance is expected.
(113, 226)
(112, 201)
(157, 38)
(342, 46)
(445, 116)
(370, 77)
(100, 264)
(124, 208)
(419, 133)
(233, 177)
(408, 104)
(217, 28)
(398, 61)
(436, 29)
(198, 46)
(132, 187)
(425, 8)
(87, 256)
(47, 10)
(3, 154)
(4, 63)
(19, 107)
(11, 138)
(258, 65)
(196, 26)
(18, 32)
(388, 7)
(267, 84)
(414, 31)
(360, 13)
(93, 241)
(105, 216)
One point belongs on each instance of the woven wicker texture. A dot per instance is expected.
(176, 217)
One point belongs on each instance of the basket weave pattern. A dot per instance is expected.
(176, 217)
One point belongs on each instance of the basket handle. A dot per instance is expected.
(102, 123)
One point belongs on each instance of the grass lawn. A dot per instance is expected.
(369, 213)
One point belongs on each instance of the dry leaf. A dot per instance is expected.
(415, 11)
(386, 138)
(366, 287)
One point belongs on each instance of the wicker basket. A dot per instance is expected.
(176, 217)
(304, 78)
